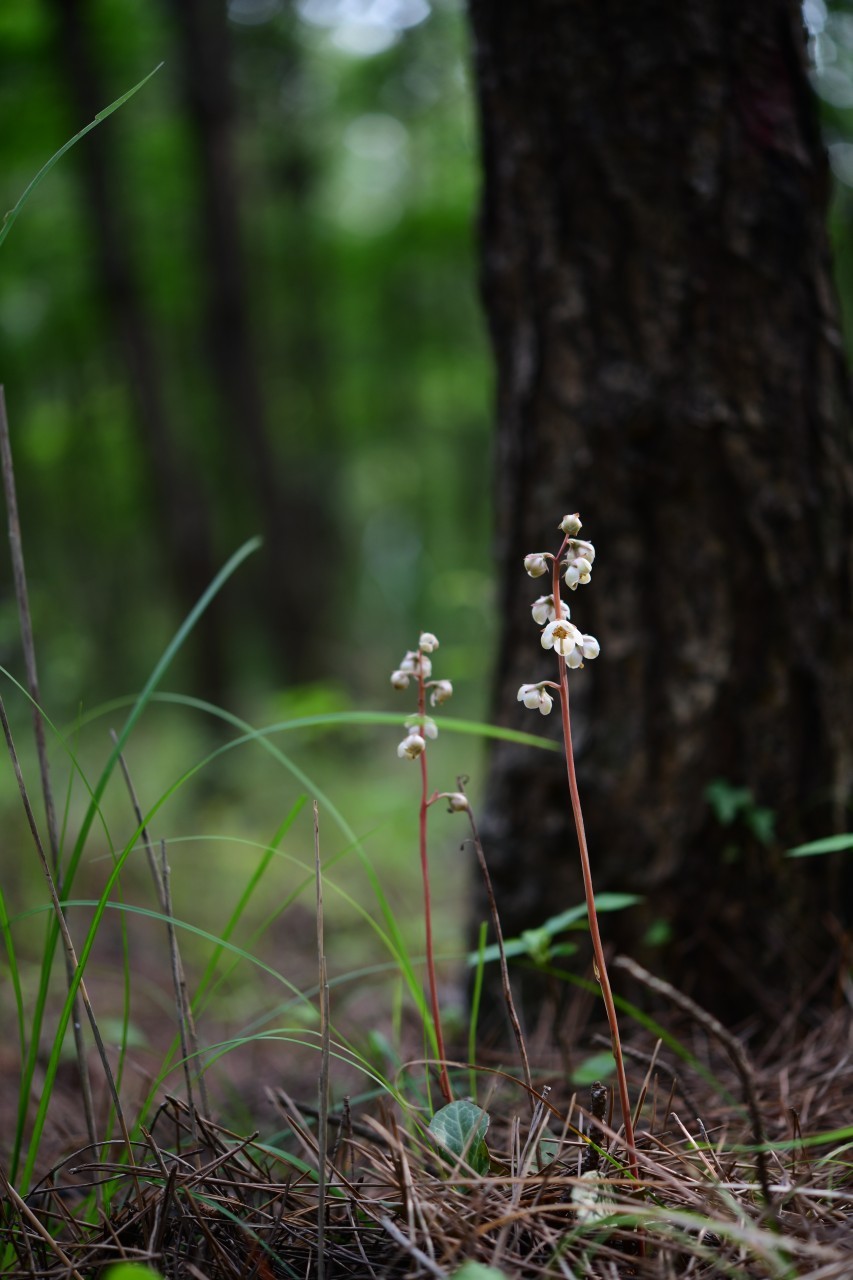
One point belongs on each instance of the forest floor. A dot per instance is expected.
(243, 1195)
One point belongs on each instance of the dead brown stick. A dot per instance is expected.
(160, 876)
(496, 922)
(736, 1053)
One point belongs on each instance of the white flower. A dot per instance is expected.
(577, 572)
(535, 698)
(424, 725)
(583, 548)
(441, 691)
(428, 642)
(411, 747)
(535, 564)
(570, 525)
(457, 802)
(415, 661)
(400, 679)
(563, 636)
(543, 610)
(590, 647)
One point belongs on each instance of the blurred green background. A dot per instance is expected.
(247, 304)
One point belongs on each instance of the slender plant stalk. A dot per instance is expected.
(183, 1004)
(29, 651)
(496, 922)
(589, 893)
(323, 1082)
(444, 1080)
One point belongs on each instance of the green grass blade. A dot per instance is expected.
(12, 214)
(829, 844)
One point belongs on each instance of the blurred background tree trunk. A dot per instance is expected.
(182, 517)
(657, 280)
(295, 518)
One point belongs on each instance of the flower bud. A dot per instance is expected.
(411, 747)
(400, 679)
(571, 525)
(427, 642)
(457, 802)
(441, 691)
(535, 564)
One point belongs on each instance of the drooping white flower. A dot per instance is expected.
(428, 642)
(577, 572)
(583, 548)
(543, 610)
(424, 725)
(563, 636)
(411, 747)
(535, 564)
(410, 661)
(440, 692)
(535, 698)
(571, 525)
(590, 647)
(400, 679)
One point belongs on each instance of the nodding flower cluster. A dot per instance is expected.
(417, 665)
(574, 561)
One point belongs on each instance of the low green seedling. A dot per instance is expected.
(459, 1130)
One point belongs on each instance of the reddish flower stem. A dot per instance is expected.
(444, 1080)
(586, 869)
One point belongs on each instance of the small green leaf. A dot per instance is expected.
(761, 823)
(829, 844)
(478, 1271)
(658, 933)
(575, 917)
(594, 1068)
(131, 1271)
(530, 945)
(460, 1129)
(538, 944)
(726, 800)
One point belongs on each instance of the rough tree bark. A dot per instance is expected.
(657, 280)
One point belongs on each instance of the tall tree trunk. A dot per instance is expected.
(656, 275)
(293, 520)
(179, 504)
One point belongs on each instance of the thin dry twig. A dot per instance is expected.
(26, 1213)
(496, 923)
(736, 1053)
(325, 1053)
(180, 988)
(186, 1020)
